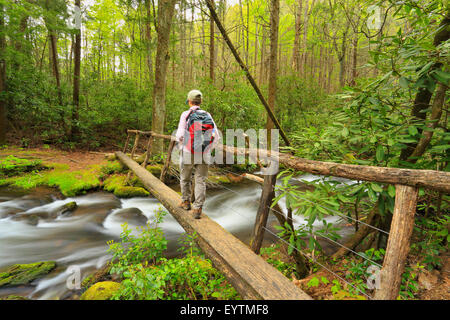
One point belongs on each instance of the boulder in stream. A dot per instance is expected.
(19, 274)
(132, 216)
(67, 208)
(104, 203)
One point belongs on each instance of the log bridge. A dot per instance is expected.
(249, 273)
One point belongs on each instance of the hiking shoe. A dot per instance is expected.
(197, 213)
(186, 205)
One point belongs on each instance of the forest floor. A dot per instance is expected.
(75, 160)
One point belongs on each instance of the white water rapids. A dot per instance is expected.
(80, 239)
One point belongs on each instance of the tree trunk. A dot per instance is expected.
(354, 61)
(296, 49)
(2, 79)
(148, 38)
(273, 63)
(166, 9)
(211, 49)
(265, 202)
(76, 81)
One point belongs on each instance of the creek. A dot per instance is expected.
(80, 238)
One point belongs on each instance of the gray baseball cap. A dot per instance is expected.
(194, 95)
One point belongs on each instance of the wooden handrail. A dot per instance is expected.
(431, 179)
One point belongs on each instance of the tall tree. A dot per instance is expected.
(166, 10)
(76, 79)
(298, 28)
(211, 49)
(273, 63)
(2, 77)
(53, 40)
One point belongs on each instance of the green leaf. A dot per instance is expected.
(441, 76)
(391, 191)
(314, 282)
(413, 130)
(403, 82)
(376, 187)
(380, 153)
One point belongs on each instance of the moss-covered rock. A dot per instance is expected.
(101, 291)
(19, 274)
(14, 297)
(68, 207)
(130, 192)
(70, 183)
(112, 167)
(113, 182)
(154, 169)
(219, 179)
(12, 166)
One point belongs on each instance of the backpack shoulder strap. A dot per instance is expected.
(190, 113)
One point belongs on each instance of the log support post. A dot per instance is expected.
(167, 162)
(148, 152)
(136, 142)
(398, 243)
(265, 202)
(126, 143)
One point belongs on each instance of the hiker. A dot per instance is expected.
(196, 135)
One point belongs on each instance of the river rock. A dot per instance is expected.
(29, 218)
(131, 215)
(103, 205)
(7, 211)
(67, 208)
(101, 291)
(19, 274)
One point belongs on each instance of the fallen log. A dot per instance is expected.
(249, 273)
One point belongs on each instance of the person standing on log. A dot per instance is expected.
(196, 134)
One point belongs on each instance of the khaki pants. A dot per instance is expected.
(200, 175)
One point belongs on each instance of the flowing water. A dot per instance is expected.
(31, 229)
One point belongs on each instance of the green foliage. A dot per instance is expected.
(273, 256)
(132, 249)
(359, 273)
(433, 236)
(313, 206)
(148, 275)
